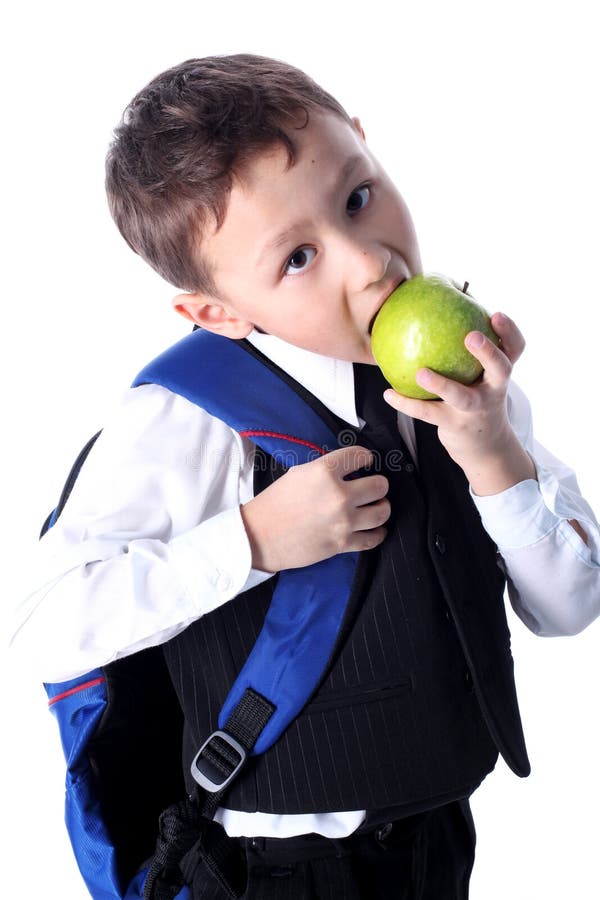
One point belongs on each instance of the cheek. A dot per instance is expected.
(412, 242)
(398, 211)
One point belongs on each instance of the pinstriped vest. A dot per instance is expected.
(420, 696)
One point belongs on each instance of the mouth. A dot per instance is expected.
(382, 300)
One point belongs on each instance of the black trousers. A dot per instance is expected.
(428, 856)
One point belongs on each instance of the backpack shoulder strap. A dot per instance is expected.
(233, 385)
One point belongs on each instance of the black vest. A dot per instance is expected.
(420, 696)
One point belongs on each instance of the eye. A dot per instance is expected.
(358, 199)
(299, 260)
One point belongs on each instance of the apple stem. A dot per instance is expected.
(465, 287)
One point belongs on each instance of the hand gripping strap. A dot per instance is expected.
(302, 624)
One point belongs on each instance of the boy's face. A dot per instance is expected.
(309, 253)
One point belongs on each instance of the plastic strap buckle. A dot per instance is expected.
(215, 771)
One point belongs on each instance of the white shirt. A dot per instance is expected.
(152, 538)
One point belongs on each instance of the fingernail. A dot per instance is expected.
(475, 340)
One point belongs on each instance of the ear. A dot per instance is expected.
(358, 127)
(211, 315)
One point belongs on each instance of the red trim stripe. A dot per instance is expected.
(75, 690)
(284, 437)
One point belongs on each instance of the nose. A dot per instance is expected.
(365, 262)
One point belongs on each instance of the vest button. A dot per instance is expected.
(383, 832)
(440, 543)
(469, 680)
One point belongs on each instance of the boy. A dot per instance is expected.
(247, 186)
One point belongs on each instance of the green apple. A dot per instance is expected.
(423, 323)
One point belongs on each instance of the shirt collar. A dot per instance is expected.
(330, 380)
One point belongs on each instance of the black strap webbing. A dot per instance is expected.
(187, 835)
(244, 726)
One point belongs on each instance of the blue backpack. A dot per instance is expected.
(120, 725)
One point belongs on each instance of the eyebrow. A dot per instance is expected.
(345, 172)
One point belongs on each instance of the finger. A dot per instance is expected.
(426, 410)
(368, 489)
(496, 363)
(366, 540)
(512, 340)
(372, 516)
(455, 394)
(346, 460)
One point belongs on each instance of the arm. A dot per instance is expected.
(153, 536)
(529, 502)
(150, 539)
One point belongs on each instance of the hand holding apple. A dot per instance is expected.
(472, 421)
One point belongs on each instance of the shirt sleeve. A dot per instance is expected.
(553, 575)
(150, 539)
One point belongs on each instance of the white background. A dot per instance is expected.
(486, 116)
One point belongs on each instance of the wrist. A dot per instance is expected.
(503, 466)
(258, 538)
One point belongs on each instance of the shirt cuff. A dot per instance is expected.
(517, 516)
(215, 560)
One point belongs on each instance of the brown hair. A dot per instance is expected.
(183, 139)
